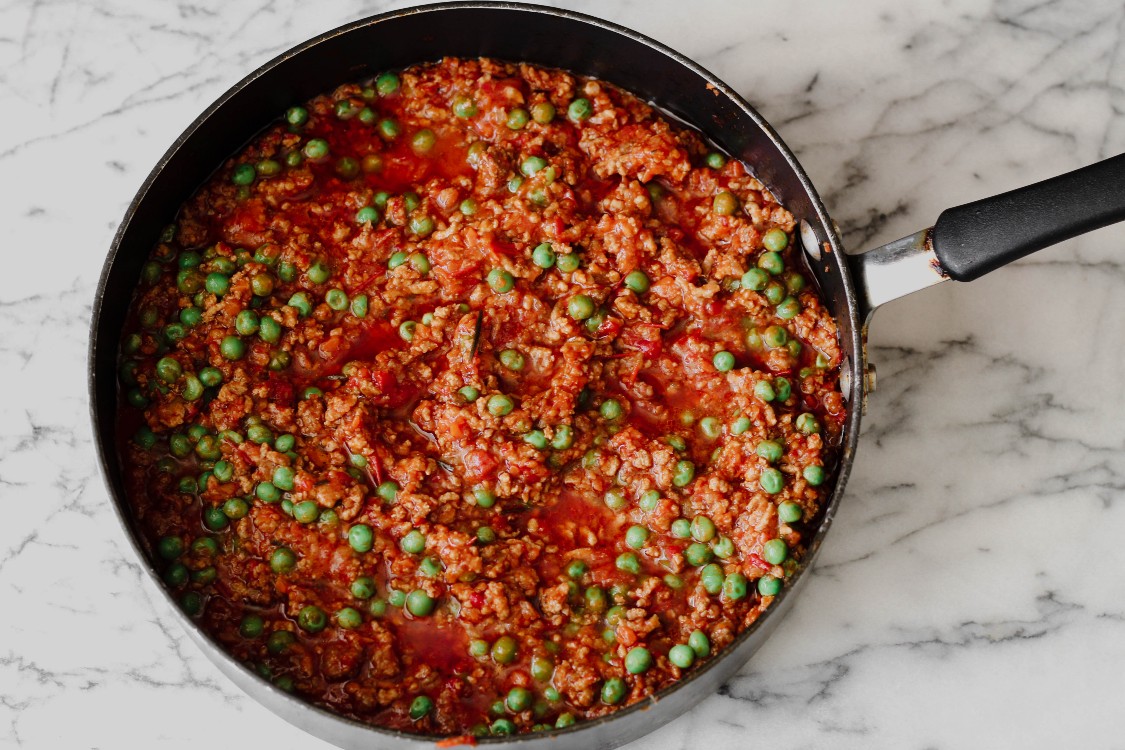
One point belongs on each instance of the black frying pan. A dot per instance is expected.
(966, 242)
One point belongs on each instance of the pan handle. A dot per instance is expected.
(969, 241)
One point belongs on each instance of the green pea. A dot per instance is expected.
(711, 577)
(168, 369)
(628, 563)
(251, 626)
(359, 306)
(312, 619)
(464, 107)
(783, 389)
(700, 644)
(170, 547)
(764, 391)
(268, 168)
(192, 603)
(725, 203)
(568, 263)
(723, 361)
(387, 84)
(789, 308)
(363, 587)
(536, 439)
(541, 668)
(636, 536)
(807, 424)
(500, 405)
(681, 655)
(610, 409)
(236, 508)
(347, 168)
(430, 568)
(542, 112)
(614, 499)
(638, 660)
(774, 293)
(208, 448)
(421, 707)
(367, 215)
(698, 554)
(814, 475)
(723, 548)
(772, 481)
(681, 528)
(649, 500)
(387, 491)
(348, 618)
(193, 389)
(469, 393)
(176, 574)
(269, 330)
(789, 512)
(683, 473)
(637, 282)
(233, 348)
(136, 398)
(563, 438)
(771, 262)
(414, 542)
(517, 118)
(512, 359)
(502, 726)
(579, 110)
(396, 598)
(735, 586)
(613, 691)
(775, 337)
(770, 450)
(214, 519)
(306, 511)
(279, 642)
(485, 535)
(243, 174)
(504, 649)
(247, 323)
(519, 699)
(580, 307)
(775, 240)
(316, 149)
(543, 256)
(500, 280)
(468, 207)
(702, 529)
(283, 478)
(297, 116)
(533, 165)
(361, 538)
(769, 586)
(775, 551)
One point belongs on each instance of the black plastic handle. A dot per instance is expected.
(979, 237)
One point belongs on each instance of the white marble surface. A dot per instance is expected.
(972, 593)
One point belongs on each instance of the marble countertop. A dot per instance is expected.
(972, 593)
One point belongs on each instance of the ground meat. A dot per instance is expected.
(474, 379)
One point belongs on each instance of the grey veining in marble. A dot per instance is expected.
(972, 593)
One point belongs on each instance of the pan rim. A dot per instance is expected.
(107, 454)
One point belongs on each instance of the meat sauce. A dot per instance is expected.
(386, 456)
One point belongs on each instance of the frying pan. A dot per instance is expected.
(965, 243)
